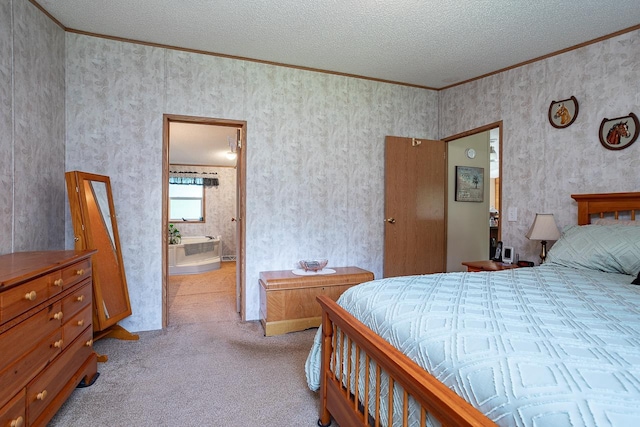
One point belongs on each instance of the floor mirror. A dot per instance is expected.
(95, 227)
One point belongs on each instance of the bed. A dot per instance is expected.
(553, 345)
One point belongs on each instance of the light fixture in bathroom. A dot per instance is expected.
(493, 155)
(231, 154)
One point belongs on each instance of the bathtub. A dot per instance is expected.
(194, 254)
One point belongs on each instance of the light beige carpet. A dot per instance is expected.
(206, 369)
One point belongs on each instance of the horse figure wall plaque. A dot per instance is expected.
(563, 113)
(619, 133)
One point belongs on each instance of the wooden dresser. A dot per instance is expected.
(46, 335)
(288, 302)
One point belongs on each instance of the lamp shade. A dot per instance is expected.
(543, 228)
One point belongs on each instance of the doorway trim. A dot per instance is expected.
(241, 167)
(478, 130)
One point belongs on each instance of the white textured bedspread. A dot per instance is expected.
(543, 346)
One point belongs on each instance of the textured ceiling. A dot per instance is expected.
(201, 144)
(430, 43)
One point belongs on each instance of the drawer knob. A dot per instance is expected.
(80, 298)
(89, 343)
(18, 422)
(42, 395)
(58, 315)
(58, 282)
(58, 344)
(30, 296)
(80, 322)
(80, 272)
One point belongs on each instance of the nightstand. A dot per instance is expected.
(487, 265)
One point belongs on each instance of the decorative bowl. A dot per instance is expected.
(313, 264)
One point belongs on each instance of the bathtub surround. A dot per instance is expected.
(315, 143)
(194, 255)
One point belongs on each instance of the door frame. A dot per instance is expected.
(241, 166)
(478, 130)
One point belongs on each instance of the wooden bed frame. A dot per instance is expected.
(341, 330)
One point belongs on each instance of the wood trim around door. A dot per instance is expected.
(241, 179)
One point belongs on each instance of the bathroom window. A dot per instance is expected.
(186, 203)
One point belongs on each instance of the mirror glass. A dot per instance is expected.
(100, 195)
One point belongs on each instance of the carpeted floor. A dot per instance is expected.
(206, 369)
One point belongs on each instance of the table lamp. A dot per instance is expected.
(544, 228)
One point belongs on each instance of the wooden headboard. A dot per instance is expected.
(601, 204)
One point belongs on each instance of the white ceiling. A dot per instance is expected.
(201, 144)
(428, 43)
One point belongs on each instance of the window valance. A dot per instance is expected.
(207, 179)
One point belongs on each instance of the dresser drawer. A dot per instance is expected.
(20, 339)
(76, 301)
(18, 374)
(13, 413)
(46, 386)
(21, 298)
(74, 326)
(76, 273)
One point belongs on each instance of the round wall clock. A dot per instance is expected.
(471, 153)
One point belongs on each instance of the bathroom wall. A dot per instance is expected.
(220, 207)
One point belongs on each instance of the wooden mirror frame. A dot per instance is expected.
(95, 227)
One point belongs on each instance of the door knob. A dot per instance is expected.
(390, 220)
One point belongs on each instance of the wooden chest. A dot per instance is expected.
(288, 301)
(46, 335)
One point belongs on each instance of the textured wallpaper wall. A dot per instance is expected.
(32, 130)
(6, 126)
(315, 145)
(542, 165)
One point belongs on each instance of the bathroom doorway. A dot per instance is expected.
(202, 219)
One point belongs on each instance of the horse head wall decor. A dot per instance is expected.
(619, 133)
(563, 113)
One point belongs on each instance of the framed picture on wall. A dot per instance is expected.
(563, 113)
(469, 184)
(619, 133)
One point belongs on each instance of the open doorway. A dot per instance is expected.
(202, 219)
(473, 229)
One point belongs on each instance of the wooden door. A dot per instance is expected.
(415, 189)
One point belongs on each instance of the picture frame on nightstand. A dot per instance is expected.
(507, 255)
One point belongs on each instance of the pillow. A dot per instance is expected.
(610, 248)
(611, 221)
